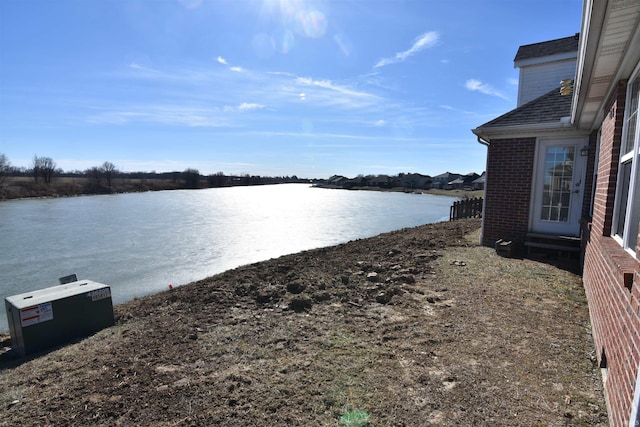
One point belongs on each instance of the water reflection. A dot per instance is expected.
(140, 243)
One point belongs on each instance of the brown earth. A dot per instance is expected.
(416, 327)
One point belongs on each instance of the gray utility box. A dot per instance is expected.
(48, 317)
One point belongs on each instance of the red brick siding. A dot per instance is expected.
(610, 139)
(508, 190)
(611, 279)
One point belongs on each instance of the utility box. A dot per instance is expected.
(48, 317)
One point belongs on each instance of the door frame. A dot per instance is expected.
(572, 227)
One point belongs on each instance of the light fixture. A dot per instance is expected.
(584, 151)
(566, 87)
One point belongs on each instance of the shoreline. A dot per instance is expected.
(462, 194)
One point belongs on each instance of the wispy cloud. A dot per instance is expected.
(485, 88)
(165, 115)
(135, 66)
(333, 87)
(237, 69)
(457, 110)
(222, 61)
(424, 41)
(376, 140)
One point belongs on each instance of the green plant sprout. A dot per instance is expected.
(354, 418)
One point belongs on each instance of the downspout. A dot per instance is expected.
(486, 175)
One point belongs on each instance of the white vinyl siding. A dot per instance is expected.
(536, 80)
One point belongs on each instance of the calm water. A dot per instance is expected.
(140, 243)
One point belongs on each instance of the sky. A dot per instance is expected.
(310, 88)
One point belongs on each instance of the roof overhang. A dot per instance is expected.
(609, 50)
(559, 129)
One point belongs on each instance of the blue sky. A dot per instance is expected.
(265, 87)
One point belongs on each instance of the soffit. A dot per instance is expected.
(619, 25)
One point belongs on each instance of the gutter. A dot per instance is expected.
(484, 142)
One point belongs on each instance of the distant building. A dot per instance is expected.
(463, 182)
(478, 183)
(442, 181)
(415, 181)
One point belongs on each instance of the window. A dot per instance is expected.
(627, 205)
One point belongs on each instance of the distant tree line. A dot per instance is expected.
(44, 178)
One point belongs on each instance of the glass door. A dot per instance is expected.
(558, 187)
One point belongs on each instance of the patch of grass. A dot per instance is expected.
(354, 418)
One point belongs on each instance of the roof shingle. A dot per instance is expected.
(548, 108)
(551, 47)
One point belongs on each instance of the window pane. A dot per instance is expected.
(625, 179)
(631, 133)
(632, 118)
(558, 182)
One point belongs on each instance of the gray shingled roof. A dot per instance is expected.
(548, 108)
(551, 47)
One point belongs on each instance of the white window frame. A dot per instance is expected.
(632, 212)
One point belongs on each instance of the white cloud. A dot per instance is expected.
(245, 106)
(379, 123)
(237, 69)
(485, 88)
(222, 61)
(424, 41)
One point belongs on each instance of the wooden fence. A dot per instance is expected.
(466, 208)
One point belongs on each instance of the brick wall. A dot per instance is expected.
(611, 279)
(508, 190)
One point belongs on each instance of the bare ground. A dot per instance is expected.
(415, 327)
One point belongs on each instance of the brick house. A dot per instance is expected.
(568, 162)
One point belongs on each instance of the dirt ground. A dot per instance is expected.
(412, 328)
